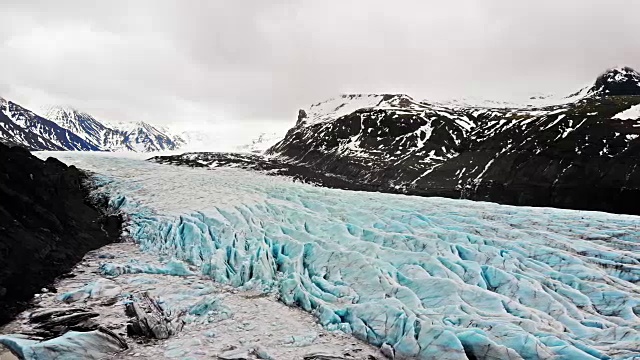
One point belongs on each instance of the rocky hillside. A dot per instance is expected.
(47, 224)
(581, 153)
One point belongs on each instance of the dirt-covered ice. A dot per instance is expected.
(220, 319)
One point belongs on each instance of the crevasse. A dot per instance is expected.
(430, 277)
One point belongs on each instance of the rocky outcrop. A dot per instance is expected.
(47, 223)
(147, 319)
(622, 81)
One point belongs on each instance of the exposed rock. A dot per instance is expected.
(302, 115)
(149, 320)
(48, 223)
(325, 356)
(55, 322)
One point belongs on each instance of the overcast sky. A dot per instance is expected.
(253, 63)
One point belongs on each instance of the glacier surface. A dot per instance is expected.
(426, 277)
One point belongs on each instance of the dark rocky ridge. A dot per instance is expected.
(618, 82)
(575, 155)
(47, 223)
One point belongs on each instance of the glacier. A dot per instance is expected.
(425, 277)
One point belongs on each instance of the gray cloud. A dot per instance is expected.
(256, 62)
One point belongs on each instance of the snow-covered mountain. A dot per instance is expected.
(577, 153)
(260, 143)
(65, 128)
(82, 124)
(111, 136)
(37, 132)
(140, 137)
(226, 140)
(13, 134)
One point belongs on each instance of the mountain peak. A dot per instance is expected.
(617, 81)
(66, 111)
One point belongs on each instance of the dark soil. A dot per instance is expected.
(48, 222)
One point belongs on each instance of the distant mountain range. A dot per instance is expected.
(580, 151)
(69, 129)
(65, 128)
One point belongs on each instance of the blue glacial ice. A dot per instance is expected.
(428, 277)
(71, 346)
(102, 288)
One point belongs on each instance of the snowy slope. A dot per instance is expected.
(340, 106)
(13, 134)
(230, 139)
(140, 137)
(632, 113)
(425, 277)
(80, 123)
(260, 143)
(615, 81)
(199, 140)
(113, 136)
(51, 135)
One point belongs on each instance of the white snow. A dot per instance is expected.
(560, 117)
(521, 102)
(337, 107)
(632, 113)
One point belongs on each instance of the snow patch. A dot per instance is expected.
(632, 113)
